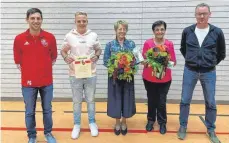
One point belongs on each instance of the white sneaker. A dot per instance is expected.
(76, 131)
(94, 129)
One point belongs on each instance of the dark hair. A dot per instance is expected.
(158, 23)
(32, 11)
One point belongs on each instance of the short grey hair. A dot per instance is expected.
(203, 5)
(80, 13)
(120, 22)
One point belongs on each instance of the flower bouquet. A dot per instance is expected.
(121, 65)
(158, 58)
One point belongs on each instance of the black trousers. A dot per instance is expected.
(157, 96)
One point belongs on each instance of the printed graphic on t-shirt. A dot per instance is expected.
(82, 41)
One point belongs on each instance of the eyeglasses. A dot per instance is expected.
(200, 14)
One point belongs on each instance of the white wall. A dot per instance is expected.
(59, 19)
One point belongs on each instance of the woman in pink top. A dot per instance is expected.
(157, 89)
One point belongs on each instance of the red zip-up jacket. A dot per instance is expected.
(35, 54)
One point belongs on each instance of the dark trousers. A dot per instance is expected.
(121, 99)
(157, 96)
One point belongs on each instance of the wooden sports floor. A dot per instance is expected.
(13, 125)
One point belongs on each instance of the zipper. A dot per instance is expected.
(199, 50)
(200, 47)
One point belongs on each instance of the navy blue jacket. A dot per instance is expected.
(211, 52)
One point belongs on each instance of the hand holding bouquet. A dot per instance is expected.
(121, 65)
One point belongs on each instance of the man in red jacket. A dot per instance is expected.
(35, 52)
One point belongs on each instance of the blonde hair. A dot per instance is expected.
(122, 22)
(81, 13)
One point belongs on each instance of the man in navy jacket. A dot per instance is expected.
(203, 47)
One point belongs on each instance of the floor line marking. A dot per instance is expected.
(146, 113)
(103, 130)
(103, 112)
(203, 121)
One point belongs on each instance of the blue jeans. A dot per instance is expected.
(87, 87)
(208, 82)
(30, 98)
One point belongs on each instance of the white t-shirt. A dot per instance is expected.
(81, 45)
(201, 34)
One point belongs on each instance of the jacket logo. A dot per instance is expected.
(26, 43)
(44, 42)
(29, 82)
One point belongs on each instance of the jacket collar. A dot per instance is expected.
(41, 35)
(125, 42)
(210, 29)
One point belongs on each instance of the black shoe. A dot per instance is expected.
(124, 132)
(149, 126)
(117, 132)
(123, 129)
(163, 128)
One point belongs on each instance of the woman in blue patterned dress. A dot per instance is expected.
(121, 96)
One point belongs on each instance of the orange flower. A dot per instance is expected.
(155, 54)
(121, 61)
(126, 63)
(124, 58)
(127, 69)
(162, 48)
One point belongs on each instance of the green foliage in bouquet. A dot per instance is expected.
(121, 65)
(158, 58)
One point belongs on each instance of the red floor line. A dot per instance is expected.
(102, 130)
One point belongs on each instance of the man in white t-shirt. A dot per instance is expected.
(203, 47)
(78, 43)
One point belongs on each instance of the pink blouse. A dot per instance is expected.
(147, 71)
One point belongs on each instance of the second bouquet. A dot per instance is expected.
(158, 58)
